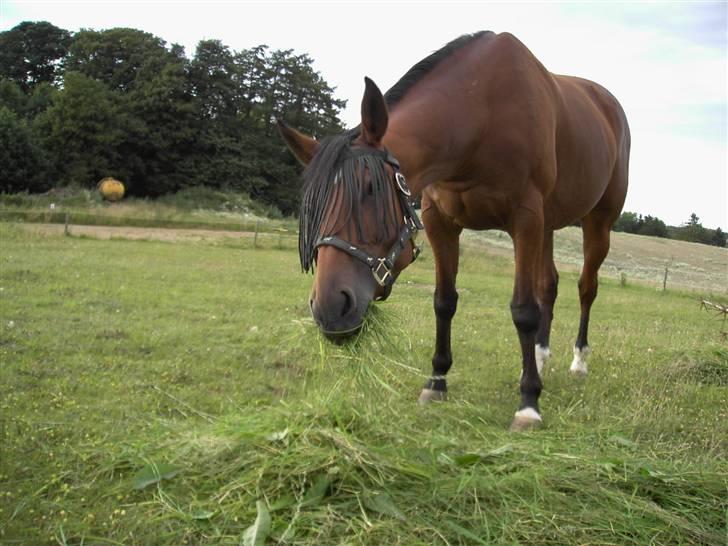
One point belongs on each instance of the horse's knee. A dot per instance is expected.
(526, 317)
(446, 305)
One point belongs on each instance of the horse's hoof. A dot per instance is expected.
(526, 419)
(430, 395)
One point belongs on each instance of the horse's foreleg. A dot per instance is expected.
(595, 227)
(444, 239)
(527, 232)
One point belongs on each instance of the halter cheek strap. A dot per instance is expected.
(381, 267)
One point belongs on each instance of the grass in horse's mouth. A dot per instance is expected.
(369, 353)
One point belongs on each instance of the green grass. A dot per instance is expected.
(172, 393)
(193, 208)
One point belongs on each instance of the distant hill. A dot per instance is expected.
(691, 266)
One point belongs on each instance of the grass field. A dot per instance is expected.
(178, 393)
(192, 208)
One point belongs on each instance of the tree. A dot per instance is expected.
(628, 222)
(83, 132)
(122, 58)
(238, 97)
(693, 231)
(21, 158)
(12, 96)
(212, 73)
(153, 104)
(298, 93)
(719, 238)
(134, 108)
(32, 53)
(165, 132)
(281, 85)
(653, 226)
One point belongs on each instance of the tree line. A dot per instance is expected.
(77, 107)
(692, 230)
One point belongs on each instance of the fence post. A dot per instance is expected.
(667, 269)
(255, 238)
(66, 232)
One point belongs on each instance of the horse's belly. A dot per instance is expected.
(571, 202)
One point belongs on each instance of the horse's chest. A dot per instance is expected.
(470, 206)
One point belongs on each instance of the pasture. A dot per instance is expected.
(178, 393)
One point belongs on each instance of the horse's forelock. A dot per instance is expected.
(332, 197)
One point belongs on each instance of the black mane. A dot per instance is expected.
(422, 68)
(335, 173)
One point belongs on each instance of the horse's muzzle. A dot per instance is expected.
(337, 313)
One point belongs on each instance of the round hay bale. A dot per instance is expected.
(111, 189)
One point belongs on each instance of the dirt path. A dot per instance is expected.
(139, 233)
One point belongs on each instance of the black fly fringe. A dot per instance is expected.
(333, 194)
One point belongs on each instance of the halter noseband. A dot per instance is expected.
(382, 268)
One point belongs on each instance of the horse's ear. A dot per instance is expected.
(302, 146)
(374, 115)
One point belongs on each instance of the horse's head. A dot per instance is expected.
(356, 219)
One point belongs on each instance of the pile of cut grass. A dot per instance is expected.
(329, 471)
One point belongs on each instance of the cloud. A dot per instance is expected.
(702, 23)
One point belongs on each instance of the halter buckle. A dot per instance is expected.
(382, 278)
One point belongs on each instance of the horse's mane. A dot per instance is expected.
(425, 66)
(331, 187)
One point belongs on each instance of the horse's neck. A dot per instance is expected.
(410, 152)
(420, 144)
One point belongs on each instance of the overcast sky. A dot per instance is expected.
(665, 61)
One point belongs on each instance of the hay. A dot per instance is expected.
(111, 189)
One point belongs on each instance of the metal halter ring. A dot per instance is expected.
(402, 184)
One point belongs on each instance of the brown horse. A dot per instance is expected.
(490, 140)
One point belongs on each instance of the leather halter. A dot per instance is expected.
(382, 268)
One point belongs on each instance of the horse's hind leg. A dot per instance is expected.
(595, 227)
(548, 290)
(444, 239)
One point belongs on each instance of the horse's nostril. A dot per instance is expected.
(311, 299)
(348, 302)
